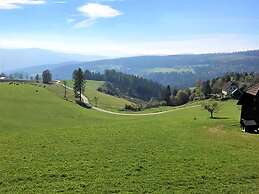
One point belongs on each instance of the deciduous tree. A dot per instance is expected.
(212, 107)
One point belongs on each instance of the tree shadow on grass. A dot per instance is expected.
(220, 118)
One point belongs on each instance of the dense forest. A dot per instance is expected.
(121, 84)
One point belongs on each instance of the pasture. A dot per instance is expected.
(48, 145)
(104, 101)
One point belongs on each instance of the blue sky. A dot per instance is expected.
(130, 27)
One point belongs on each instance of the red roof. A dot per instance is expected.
(253, 90)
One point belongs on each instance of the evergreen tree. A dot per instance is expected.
(79, 83)
(174, 91)
(206, 89)
(37, 78)
(46, 77)
(168, 95)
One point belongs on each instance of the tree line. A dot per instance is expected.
(45, 77)
(122, 84)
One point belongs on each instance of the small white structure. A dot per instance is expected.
(3, 78)
(229, 89)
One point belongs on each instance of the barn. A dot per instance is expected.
(250, 109)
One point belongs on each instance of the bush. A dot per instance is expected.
(153, 103)
(108, 88)
(134, 108)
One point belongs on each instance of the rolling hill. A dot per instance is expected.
(48, 145)
(105, 101)
(177, 70)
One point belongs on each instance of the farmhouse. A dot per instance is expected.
(229, 89)
(250, 108)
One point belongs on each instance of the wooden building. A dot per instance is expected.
(250, 109)
(229, 88)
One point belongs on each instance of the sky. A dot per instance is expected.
(130, 27)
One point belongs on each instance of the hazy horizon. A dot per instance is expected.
(121, 28)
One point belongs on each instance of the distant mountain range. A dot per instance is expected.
(177, 70)
(13, 59)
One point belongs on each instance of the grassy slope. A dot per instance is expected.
(48, 145)
(60, 91)
(105, 101)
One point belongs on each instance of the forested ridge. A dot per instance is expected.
(121, 84)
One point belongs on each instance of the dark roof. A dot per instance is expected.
(228, 85)
(253, 90)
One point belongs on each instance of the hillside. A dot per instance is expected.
(48, 145)
(104, 101)
(177, 70)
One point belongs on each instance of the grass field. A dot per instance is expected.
(171, 70)
(105, 101)
(48, 145)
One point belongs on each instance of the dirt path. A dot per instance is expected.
(85, 100)
(145, 114)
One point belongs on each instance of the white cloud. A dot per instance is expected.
(14, 4)
(95, 11)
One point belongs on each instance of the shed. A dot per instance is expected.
(250, 108)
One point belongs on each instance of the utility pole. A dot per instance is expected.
(65, 86)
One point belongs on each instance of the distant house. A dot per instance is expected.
(229, 89)
(3, 78)
(250, 108)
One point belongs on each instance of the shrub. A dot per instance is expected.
(132, 107)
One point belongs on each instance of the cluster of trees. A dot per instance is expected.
(175, 97)
(122, 84)
(2, 75)
(46, 76)
(18, 76)
(94, 76)
(208, 89)
(214, 86)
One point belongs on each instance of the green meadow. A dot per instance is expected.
(104, 101)
(49, 145)
(170, 70)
